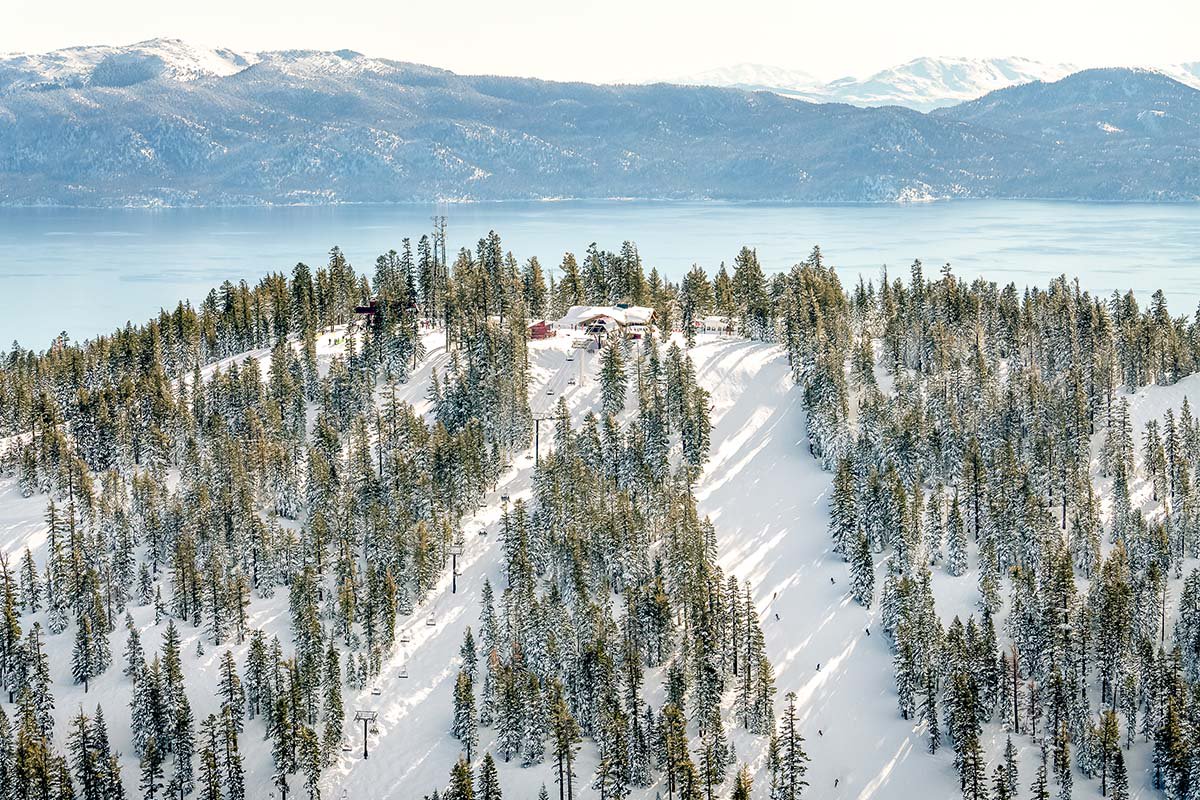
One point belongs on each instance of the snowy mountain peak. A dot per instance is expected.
(926, 83)
(103, 65)
(922, 84)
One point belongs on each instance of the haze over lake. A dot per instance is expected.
(92, 270)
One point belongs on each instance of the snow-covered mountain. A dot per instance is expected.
(78, 67)
(927, 83)
(753, 77)
(1187, 73)
(922, 84)
(163, 123)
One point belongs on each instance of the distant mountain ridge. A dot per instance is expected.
(922, 84)
(163, 123)
(79, 67)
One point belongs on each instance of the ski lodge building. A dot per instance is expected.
(630, 321)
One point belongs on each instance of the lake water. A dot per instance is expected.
(89, 271)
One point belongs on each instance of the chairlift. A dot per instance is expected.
(376, 691)
(404, 671)
(430, 621)
(346, 748)
(405, 637)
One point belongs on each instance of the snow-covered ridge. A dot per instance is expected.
(102, 65)
(753, 76)
(165, 124)
(921, 84)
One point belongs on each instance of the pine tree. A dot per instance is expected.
(88, 772)
(334, 711)
(210, 772)
(461, 786)
(489, 779)
(468, 654)
(83, 657)
(956, 541)
(742, 784)
(612, 379)
(843, 509)
(1010, 767)
(233, 770)
(565, 733)
(1120, 778)
(229, 687)
(135, 660)
(862, 571)
(929, 711)
(466, 727)
(1000, 785)
(152, 772)
(793, 759)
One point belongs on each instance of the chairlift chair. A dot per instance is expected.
(404, 671)
(430, 621)
(405, 637)
(376, 691)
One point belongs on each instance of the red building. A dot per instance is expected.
(540, 330)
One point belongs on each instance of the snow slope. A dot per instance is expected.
(768, 501)
(767, 498)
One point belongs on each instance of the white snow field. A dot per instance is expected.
(768, 500)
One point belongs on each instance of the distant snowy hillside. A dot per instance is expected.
(162, 123)
(754, 77)
(927, 83)
(78, 67)
(1188, 73)
(921, 84)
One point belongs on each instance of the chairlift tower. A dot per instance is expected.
(455, 551)
(365, 717)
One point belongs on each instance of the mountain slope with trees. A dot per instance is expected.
(156, 126)
(909, 538)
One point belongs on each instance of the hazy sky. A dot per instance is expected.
(602, 40)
